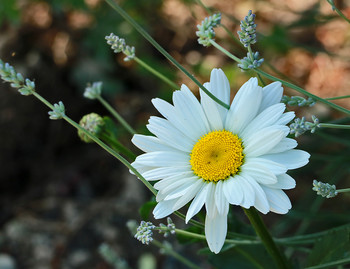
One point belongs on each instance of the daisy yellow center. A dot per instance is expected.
(217, 155)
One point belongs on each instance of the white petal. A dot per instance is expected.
(188, 195)
(140, 167)
(215, 231)
(163, 158)
(198, 202)
(211, 109)
(163, 172)
(245, 109)
(284, 145)
(177, 189)
(266, 118)
(261, 202)
(163, 209)
(278, 200)
(189, 108)
(285, 182)
(264, 140)
(169, 134)
(233, 190)
(272, 94)
(220, 86)
(292, 159)
(210, 200)
(164, 183)
(259, 173)
(274, 167)
(248, 193)
(149, 143)
(220, 199)
(285, 118)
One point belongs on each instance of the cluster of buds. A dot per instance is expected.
(167, 229)
(58, 111)
(9, 74)
(118, 45)
(300, 126)
(205, 31)
(247, 35)
(251, 61)
(324, 189)
(93, 91)
(298, 101)
(145, 232)
(93, 123)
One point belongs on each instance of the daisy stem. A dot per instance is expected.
(338, 97)
(155, 44)
(156, 73)
(169, 251)
(288, 84)
(265, 237)
(331, 2)
(335, 126)
(116, 115)
(100, 143)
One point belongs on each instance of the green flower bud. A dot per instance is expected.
(93, 123)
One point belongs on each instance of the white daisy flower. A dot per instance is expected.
(216, 156)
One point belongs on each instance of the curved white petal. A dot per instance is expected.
(264, 140)
(220, 86)
(169, 134)
(245, 109)
(210, 205)
(215, 231)
(284, 145)
(266, 118)
(220, 199)
(211, 109)
(197, 203)
(261, 202)
(190, 110)
(163, 172)
(168, 181)
(177, 189)
(188, 195)
(163, 209)
(292, 159)
(233, 190)
(272, 94)
(149, 143)
(274, 167)
(284, 182)
(248, 193)
(286, 118)
(259, 173)
(163, 158)
(278, 200)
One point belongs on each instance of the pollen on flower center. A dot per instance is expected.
(217, 155)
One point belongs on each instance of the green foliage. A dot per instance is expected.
(335, 245)
(146, 209)
(9, 11)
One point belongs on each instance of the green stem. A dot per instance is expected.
(330, 264)
(116, 145)
(265, 237)
(288, 84)
(156, 73)
(233, 57)
(338, 97)
(344, 190)
(138, 28)
(116, 115)
(331, 2)
(168, 250)
(334, 126)
(101, 144)
(298, 89)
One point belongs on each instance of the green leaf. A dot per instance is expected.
(146, 208)
(243, 257)
(333, 246)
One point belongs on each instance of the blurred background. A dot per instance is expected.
(60, 198)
